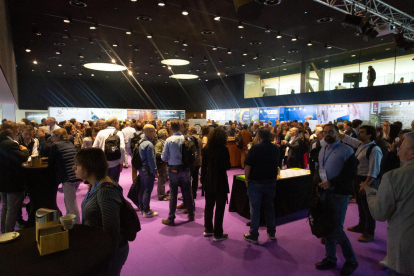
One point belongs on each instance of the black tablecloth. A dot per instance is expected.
(40, 184)
(292, 195)
(89, 249)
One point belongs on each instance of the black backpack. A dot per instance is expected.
(112, 147)
(135, 140)
(239, 141)
(320, 216)
(136, 157)
(130, 224)
(189, 152)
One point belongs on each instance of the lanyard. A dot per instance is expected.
(324, 160)
(87, 198)
(362, 149)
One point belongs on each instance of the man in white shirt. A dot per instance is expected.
(114, 166)
(128, 132)
(51, 122)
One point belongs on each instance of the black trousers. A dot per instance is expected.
(219, 200)
(366, 221)
(194, 181)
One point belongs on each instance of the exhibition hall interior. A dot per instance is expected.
(207, 137)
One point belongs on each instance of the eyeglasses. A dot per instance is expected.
(329, 132)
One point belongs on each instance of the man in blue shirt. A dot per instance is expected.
(179, 175)
(337, 167)
(148, 170)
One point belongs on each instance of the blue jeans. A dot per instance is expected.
(114, 173)
(147, 184)
(11, 203)
(262, 194)
(119, 260)
(180, 177)
(339, 205)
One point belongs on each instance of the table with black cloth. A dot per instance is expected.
(40, 184)
(89, 251)
(292, 195)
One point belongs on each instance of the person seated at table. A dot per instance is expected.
(215, 163)
(102, 204)
(12, 155)
(261, 168)
(60, 162)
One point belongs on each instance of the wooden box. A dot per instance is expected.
(52, 242)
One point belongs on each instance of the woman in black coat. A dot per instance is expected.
(215, 163)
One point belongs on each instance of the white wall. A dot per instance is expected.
(21, 113)
(8, 112)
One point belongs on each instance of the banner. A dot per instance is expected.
(267, 115)
(198, 123)
(142, 115)
(244, 116)
(67, 113)
(106, 113)
(396, 111)
(232, 114)
(254, 115)
(218, 115)
(165, 115)
(345, 112)
(301, 113)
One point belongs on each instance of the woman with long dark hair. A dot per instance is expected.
(215, 163)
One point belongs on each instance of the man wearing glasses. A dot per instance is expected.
(337, 167)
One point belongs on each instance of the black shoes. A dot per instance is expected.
(357, 229)
(168, 222)
(348, 268)
(325, 265)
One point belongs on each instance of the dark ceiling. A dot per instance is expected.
(115, 18)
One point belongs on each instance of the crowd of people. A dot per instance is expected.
(373, 165)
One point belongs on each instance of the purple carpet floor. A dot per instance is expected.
(183, 250)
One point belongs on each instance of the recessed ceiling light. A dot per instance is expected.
(255, 43)
(28, 50)
(310, 43)
(387, 49)
(149, 36)
(243, 64)
(105, 67)
(144, 18)
(207, 32)
(130, 73)
(67, 20)
(220, 60)
(161, 3)
(217, 18)
(326, 19)
(240, 25)
(133, 0)
(94, 27)
(128, 32)
(218, 73)
(184, 76)
(80, 74)
(214, 48)
(273, 58)
(185, 43)
(169, 68)
(284, 69)
(244, 54)
(115, 45)
(92, 75)
(353, 55)
(184, 11)
(294, 38)
(272, 2)
(228, 52)
(267, 31)
(258, 67)
(326, 60)
(113, 60)
(284, 61)
(256, 57)
(78, 4)
(278, 35)
(328, 46)
(175, 62)
(267, 72)
(34, 61)
(58, 52)
(60, 64)
(59, 44)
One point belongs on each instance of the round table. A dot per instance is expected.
(40, 184)
(89, 251)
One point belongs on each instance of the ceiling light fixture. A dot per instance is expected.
(328, 46)
(294, 38)
(267, 31)
(217, 18)
(28, 50)
(169, 68)
(243, 64)
(218, 73)
(105, 67)
(184, 11)
(353, 56)
(130, 73)
(113, 60)
(184, 76)
(115, 44)
(284, 61)
(92, 75)
(58, 52)
(94, 27)
(258, 67)
(273, 58)
(67, 20)
(34, 62)
(220, 60)
(278, 35)
(240, 25)
(149, 36)
(128, 32)
(229, 51)
(161, 3)
(244, 54)
(256, 57)
(185, 43)
(310, 43)
(48, 71)
(80, 74)
(175, 62)
(214, 48)
(60, 64)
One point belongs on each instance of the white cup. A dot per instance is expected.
(67, 221)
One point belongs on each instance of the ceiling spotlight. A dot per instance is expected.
(34, 62)
(243, 64)
(217, 18)
(214, 48)
(185, 43)
(294, 38)
(328, 46)
(136, 49)
(131, 61)
(48, 71)
(353, 56)
(240, 25)
(310, 43)
(169, 68)
(205, 59)
(273, 59)
(113, 60)
(91, 41)
(58, 52)
(60, 64)
(256, 57)
(267, 31)
(244, 54)
(81, 56)
(149, 36)
(94, 27)
(177, 40)
(133, 0)
(218, 73)
(130, 73)
(161, 3)
(80, 74)
(284, 61)
(229, 51)
(115, 45)
(258, 67)
(92, 75)
(28, 50)
(278, 35)
(67, 20)
(184, 11)
(128, 32)
(220, 60)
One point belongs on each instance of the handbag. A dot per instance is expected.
(320, 215)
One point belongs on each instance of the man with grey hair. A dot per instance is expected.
(394, 202)
(293, 148)
(114, 166)
(51, 122)
(161, 165)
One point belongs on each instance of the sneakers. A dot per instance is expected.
(181, 206)
(384, 263)
(126, 166)
(191, 217)
(168, 222)
(142, 211)
(249, 238)
(180, 198)
(163, 198)
(366, 238)
(348, 268)
(150, 214)
(273, 238)
(208, 233)
(20, 223)
(221, 238)
(356, 229)
(325, 265)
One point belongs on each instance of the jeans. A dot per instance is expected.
(180, 176)
(366, 221)
(71, 203)
(147, 185)
(162, 179)
(220, 201)
(262, 194)
(11, 203)
(194, 184)
(119, 260)
(114, 173)
(127, 152)
(339, 205)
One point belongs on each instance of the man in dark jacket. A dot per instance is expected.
(337, 168)
(61, 162)
(371, 76)
(11, 174)
(294, 145)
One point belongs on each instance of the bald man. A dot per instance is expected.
(148, 171)
(128, 132)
